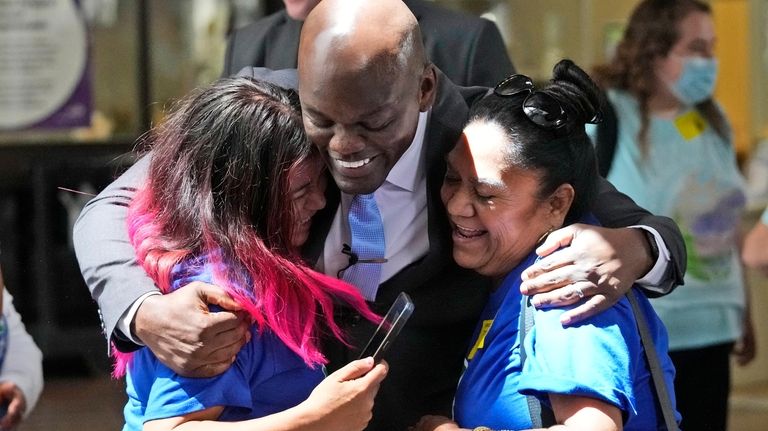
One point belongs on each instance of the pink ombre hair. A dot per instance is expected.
(218, 186)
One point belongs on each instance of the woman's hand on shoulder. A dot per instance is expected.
(344, 399)
(581, 262)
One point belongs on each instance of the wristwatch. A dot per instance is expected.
(481, 429)
(652, 244)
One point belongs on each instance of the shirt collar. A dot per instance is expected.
(409, 170)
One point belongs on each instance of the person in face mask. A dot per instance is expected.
(674, 155)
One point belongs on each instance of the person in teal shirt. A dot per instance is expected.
(674, 156)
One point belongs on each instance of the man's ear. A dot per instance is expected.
(559, 203)
(427, 88)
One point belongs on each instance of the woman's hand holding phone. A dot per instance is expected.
(344, 399)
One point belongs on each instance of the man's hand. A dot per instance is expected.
(600, 264)
(186, 336)
(11, 395)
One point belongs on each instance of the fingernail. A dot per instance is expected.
(565, 320)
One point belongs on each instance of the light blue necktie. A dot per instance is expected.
(367, 232)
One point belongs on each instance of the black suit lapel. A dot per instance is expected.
(449, 113)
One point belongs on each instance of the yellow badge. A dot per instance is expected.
(480, 338)
(691, 124)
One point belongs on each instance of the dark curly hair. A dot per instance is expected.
(563, 155)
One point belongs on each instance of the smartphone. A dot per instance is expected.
(389, 327)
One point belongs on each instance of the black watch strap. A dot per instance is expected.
(651, 239)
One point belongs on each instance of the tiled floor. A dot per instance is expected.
(96, 403)
(78, 404)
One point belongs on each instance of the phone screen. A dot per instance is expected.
(389, 327)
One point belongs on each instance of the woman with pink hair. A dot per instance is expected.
(233, 184)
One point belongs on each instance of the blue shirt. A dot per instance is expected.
(266, 378)
(600, 358)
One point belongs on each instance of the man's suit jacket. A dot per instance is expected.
(469, 50)
(426, 359)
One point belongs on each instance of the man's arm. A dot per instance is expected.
(602, 263)
(616, 210)
(106, 256)
(177, 327)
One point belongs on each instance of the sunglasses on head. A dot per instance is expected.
(541, 108)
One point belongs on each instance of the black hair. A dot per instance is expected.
(221, 159)
(562, 155)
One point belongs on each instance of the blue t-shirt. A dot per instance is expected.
(266, 378)
(600, 358)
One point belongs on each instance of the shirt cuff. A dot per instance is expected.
(655, 276)
(124, 323)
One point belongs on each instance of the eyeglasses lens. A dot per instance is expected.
(515, 84)
(544, 110)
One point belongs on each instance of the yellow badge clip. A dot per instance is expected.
(691, 124)
(480, 343)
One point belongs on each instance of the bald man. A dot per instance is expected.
(383, 118)
(469, 50)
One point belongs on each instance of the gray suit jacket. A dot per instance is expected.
(427, 358)
(469, 50)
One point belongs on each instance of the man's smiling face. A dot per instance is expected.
(362, 122)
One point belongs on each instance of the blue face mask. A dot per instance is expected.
(696, 83)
